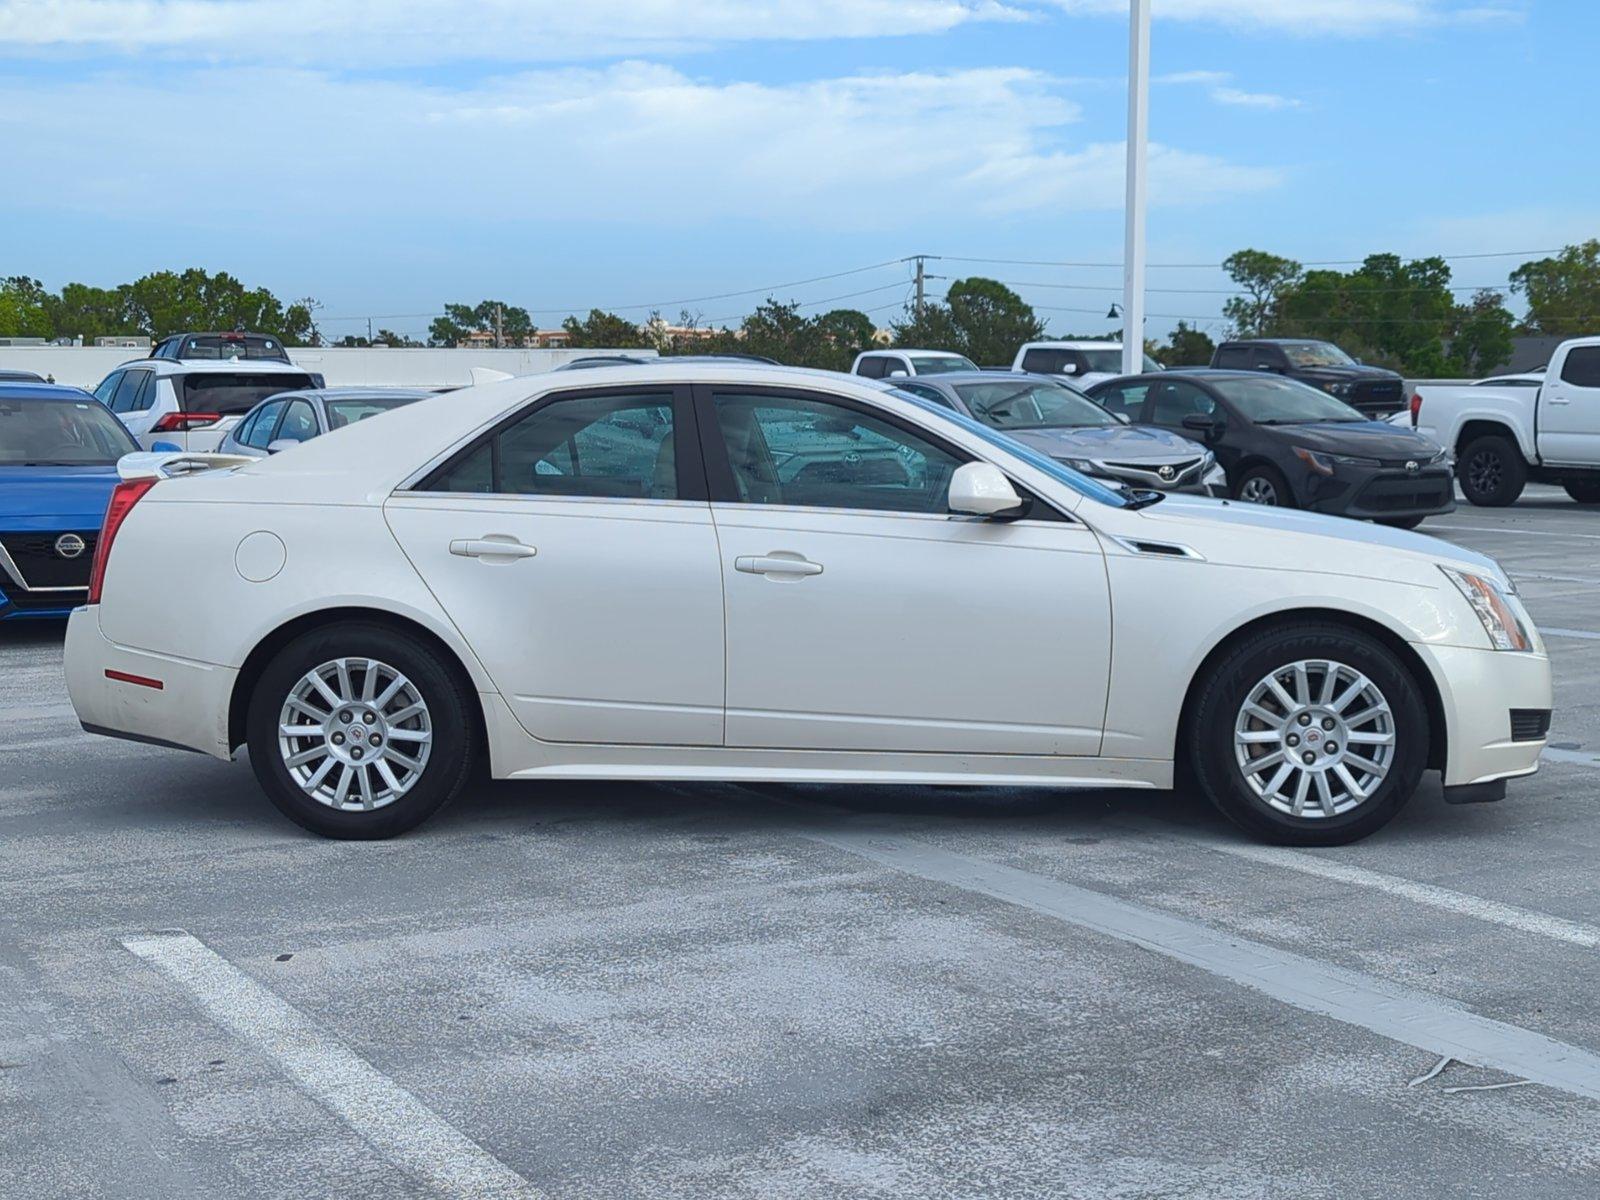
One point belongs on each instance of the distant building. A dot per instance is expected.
(21, 341)
(551, 339)
(127, 341)
(1527, 354)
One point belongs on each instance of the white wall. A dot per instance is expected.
(86, 366)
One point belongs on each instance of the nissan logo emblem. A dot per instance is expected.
(70, 545)
(1167, 473)
(1413, 466)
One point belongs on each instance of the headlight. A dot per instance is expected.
(1079, 464)
(1488, 599)
(1323, 463)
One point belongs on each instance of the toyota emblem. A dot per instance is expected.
(70, 545)
(1413, 466)
(1167, 473)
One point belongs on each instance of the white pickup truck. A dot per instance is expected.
(1503, 437)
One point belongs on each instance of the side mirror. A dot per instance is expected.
(282, 444)
(1200, 423)
(982, 489)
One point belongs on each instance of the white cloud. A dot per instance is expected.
(1219, 87)
(632, 142)
(1314, 18)
(394, 32)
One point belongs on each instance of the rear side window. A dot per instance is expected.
(617, 446)
(1582, 368)
(1126, 399)
(127, 390)
(226, 393)
(108, 388)
(1233, 357)
(1043, 361)
(872, 366)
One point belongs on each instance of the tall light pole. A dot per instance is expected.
(1138, 137)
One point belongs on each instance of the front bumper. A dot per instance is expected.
(1373, 493)
(189, 710)
(1478, 689)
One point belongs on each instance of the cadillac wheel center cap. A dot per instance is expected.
(70, 545)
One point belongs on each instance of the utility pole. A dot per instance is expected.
(922, 285)
(369, 331)
(1133, 266)
(499, 326)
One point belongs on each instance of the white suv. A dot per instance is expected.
(191, 405)
(1084, 363)
(882, 364)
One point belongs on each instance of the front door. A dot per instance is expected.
(862, 615)
(1569, 409)
(573, 547)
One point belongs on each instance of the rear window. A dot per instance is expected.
(349, 409)
(245, 346)
(226, 393)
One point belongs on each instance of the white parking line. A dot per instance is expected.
(1350, 997)
(1581, 757)
(1522, 919)
(1544, 577)
(1517, 530)
(397, 1124)
(1587, 635)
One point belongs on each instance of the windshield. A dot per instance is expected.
(1081, 484)
(939, 364)
(1032, 404)
(1316, 354)
(1109, 361)
(60, 433)
(1267, 401)
(349, 409)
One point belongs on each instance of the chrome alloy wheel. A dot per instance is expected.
(1314, 739)
(1258, 489)
(355, 734)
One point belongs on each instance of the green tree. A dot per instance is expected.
(842, 334)
(1263, 277)
(1563, 292)
(514, 326)
(604, 329)
(1186, 347)
(389, 337)
(1483, 333)
(981, 318)
(90, 312)
(24, 308)
(1389, 311)
(167, 302)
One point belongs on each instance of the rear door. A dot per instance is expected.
(573, 546)
(1569, 409)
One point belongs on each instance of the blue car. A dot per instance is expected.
(58, 463)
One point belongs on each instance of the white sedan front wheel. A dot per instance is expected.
(1309, 734)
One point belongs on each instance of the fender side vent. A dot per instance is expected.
(1165, 549)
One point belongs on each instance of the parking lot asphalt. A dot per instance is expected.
(605, 990)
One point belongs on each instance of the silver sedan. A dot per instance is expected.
(289, 418)
(1056, 419)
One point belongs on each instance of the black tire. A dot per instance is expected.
(1218, 701)
(449, 711)
(1401, 522)
(1263, 478)
(1584, 491)
(1491, 471)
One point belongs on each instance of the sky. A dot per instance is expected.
(389, 156)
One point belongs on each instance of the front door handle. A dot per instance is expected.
(493, 546)
(779, 562)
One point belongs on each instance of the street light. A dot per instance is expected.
(1138, 137)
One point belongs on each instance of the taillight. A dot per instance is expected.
(182, 422)
(1416, 408)
(123, 497)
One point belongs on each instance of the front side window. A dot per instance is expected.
(1175, 401)
(610, 446)
(1269, 401)
(299, 423)
(1582, 368)
(815, 453)
(60, 433)
(108, 388)
(1125, 399)
(1032, 404)
(259, 435)
(127, 389)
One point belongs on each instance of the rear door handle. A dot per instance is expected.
(777, 563)
(493, 546)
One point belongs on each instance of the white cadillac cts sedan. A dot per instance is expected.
(707, 571)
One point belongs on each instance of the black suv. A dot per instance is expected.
(1372, 391)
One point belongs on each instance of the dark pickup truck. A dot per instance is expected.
(1373, 391)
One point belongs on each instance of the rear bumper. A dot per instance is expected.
(1478, 689)
(189, 709)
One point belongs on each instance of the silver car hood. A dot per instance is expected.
(1121, 443)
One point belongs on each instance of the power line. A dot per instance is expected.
(1217, 266)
